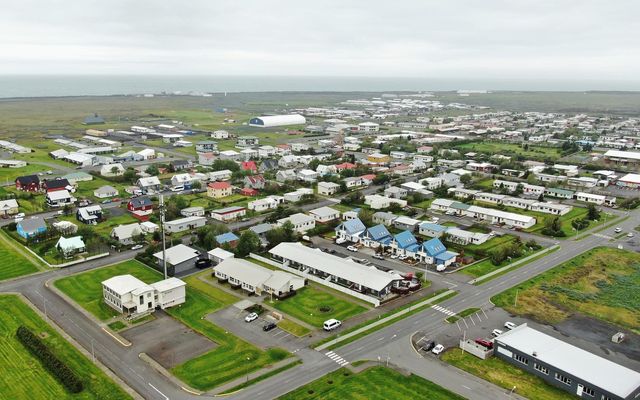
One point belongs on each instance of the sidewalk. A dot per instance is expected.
(383, 320)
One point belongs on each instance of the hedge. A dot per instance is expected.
(57, 368)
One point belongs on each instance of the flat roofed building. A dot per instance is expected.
(566, 366)
(256, 279)
(351, 276)
(184, 224)
(179, 258)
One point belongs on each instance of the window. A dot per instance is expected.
(141, 300)
(521, 359)
(588, 391)
(563, 379)
(605, 397)
(541, 368)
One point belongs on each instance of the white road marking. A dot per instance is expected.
(156, 389)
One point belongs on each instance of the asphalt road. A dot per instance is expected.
(391, 343)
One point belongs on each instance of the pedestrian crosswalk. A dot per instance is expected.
(443, 310)
(341, 361)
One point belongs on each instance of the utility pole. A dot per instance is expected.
(515, 302)
(164, 257)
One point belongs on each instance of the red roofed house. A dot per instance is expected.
(402, 169)
(368, 179)
(29, 183)
(283, 149)
(248, 192)
(249, 166)
(254, 181)
(219, 189)
(343, 166)
(53, 185)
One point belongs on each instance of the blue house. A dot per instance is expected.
(405, 244)
(31, 227)
(228, 237)
(376, 236)
(434, 252)
(350, 230)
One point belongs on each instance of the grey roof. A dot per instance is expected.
(351, 271)
(244, 271)
(261, 228)
(32, 224)
(178, 254)
(582, 364)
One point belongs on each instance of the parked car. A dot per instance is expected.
(378, 256)
(484, 342)
(352, 248)
(618, 230)
(251, 317)
(341, 240)
(438, 349)
(269, 326)
(394, 256)
(19, 217)
(430, 346)
(331, 324)
(402, 258)
(496, 332)
(509, 325)
(630, 235)
(137, 247)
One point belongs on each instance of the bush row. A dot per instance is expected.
(57, 368)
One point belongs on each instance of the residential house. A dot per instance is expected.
(353, 182)
(149, 184)
(431, 230)
(31, 227)
(378, 158)
(258, 280)
(69, 247)
(249, 166)
(261, 231)
(192, 212)
(377, 202)
(206, 146)
(106, 191)
(90, 215)
(435, 253)
(206, 159)
(395, 192)
(327, 188)
(266, 151)
(351, 230)
(376, 236)
(297, 195)
(288, 161)
(268, 164)
(134, 298)
(325, 214)
(229, 155)
(218, 190)
(220, 134)
(222, 175)
(284, 175)
(52, 185)
(184, 224)
(254, 182)
(301, 222)
(405, 244)
(126, 234)
(248, 154)
(464, 238)
(228, 213)
(247, 141)
(140, 207)
(112, 170)
(268, 203)
(8, 207)
(406, 223)
(59, 198)
(307, 175)
(384, 218)
(228, 238)
(218, 255)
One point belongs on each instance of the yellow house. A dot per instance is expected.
(378, 158)
(219, 189)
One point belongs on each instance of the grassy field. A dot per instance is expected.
(23, 377)
(12, 261)
(486, 266)
(603, 283)
(508, 149)
(86, 290)
(9, 175)
(505, 375)
(233, 357)
(309, 304)
(293, 328)
(376, 383)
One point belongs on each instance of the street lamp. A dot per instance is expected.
(248, 359)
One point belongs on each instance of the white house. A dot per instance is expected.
(59, 198)
(70, 246)
(105, 191)
(256, 279)
(325, 214)
(112, 170)
(218, 255)
(301, 222)
(125, 234)
(327, 188)
(184, 224)
(132, 297)
(297, 195)
(268, 203)
(377, 202)
(307, 175)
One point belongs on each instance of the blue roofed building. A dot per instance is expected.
(405, 244)
(229, 238)
(350, 230)
(434, 252)
(376, 236)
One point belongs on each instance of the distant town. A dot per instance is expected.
(291, 247)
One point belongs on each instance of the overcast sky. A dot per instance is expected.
(554, 39)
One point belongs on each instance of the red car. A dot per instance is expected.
(486, 343)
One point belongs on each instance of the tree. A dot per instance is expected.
(197, 185)
(313, 164)
(466, 179)
(248, 243)
(592, 213)
(553, 227)
(152, 170)
(541, 197)
(114, 170)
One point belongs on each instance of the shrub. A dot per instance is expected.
(53, 364)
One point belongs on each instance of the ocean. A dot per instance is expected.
(97, 85)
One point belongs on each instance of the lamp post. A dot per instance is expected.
(248, 359)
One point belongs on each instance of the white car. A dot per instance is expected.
(352, 248)
(394, 256)
(438, 349)
(629, 235)
(251, 317)
(378, 256)
(341, 240)
(509, 325)
(137, 247)
(402, 258)
(618, 230)
(496, 332)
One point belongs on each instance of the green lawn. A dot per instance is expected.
(603, 283)
(507, 149)
(10, 174)
(293, 328)
(505, 375)
(309, 304)
(23, 377)
(12, 262)
(86, 289)
(233, 357)
(376, 383)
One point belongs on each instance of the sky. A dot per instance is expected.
(558, 39)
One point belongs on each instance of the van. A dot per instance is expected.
(440, 267)
(341, 240)
(177, 188)
(19, 217)
(331, 324)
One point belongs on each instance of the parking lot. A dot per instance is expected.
(167, 341)
(232, 319)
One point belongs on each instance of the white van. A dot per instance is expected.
(440, 267)
(18, 217)
(177, 188)
(331, 324)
